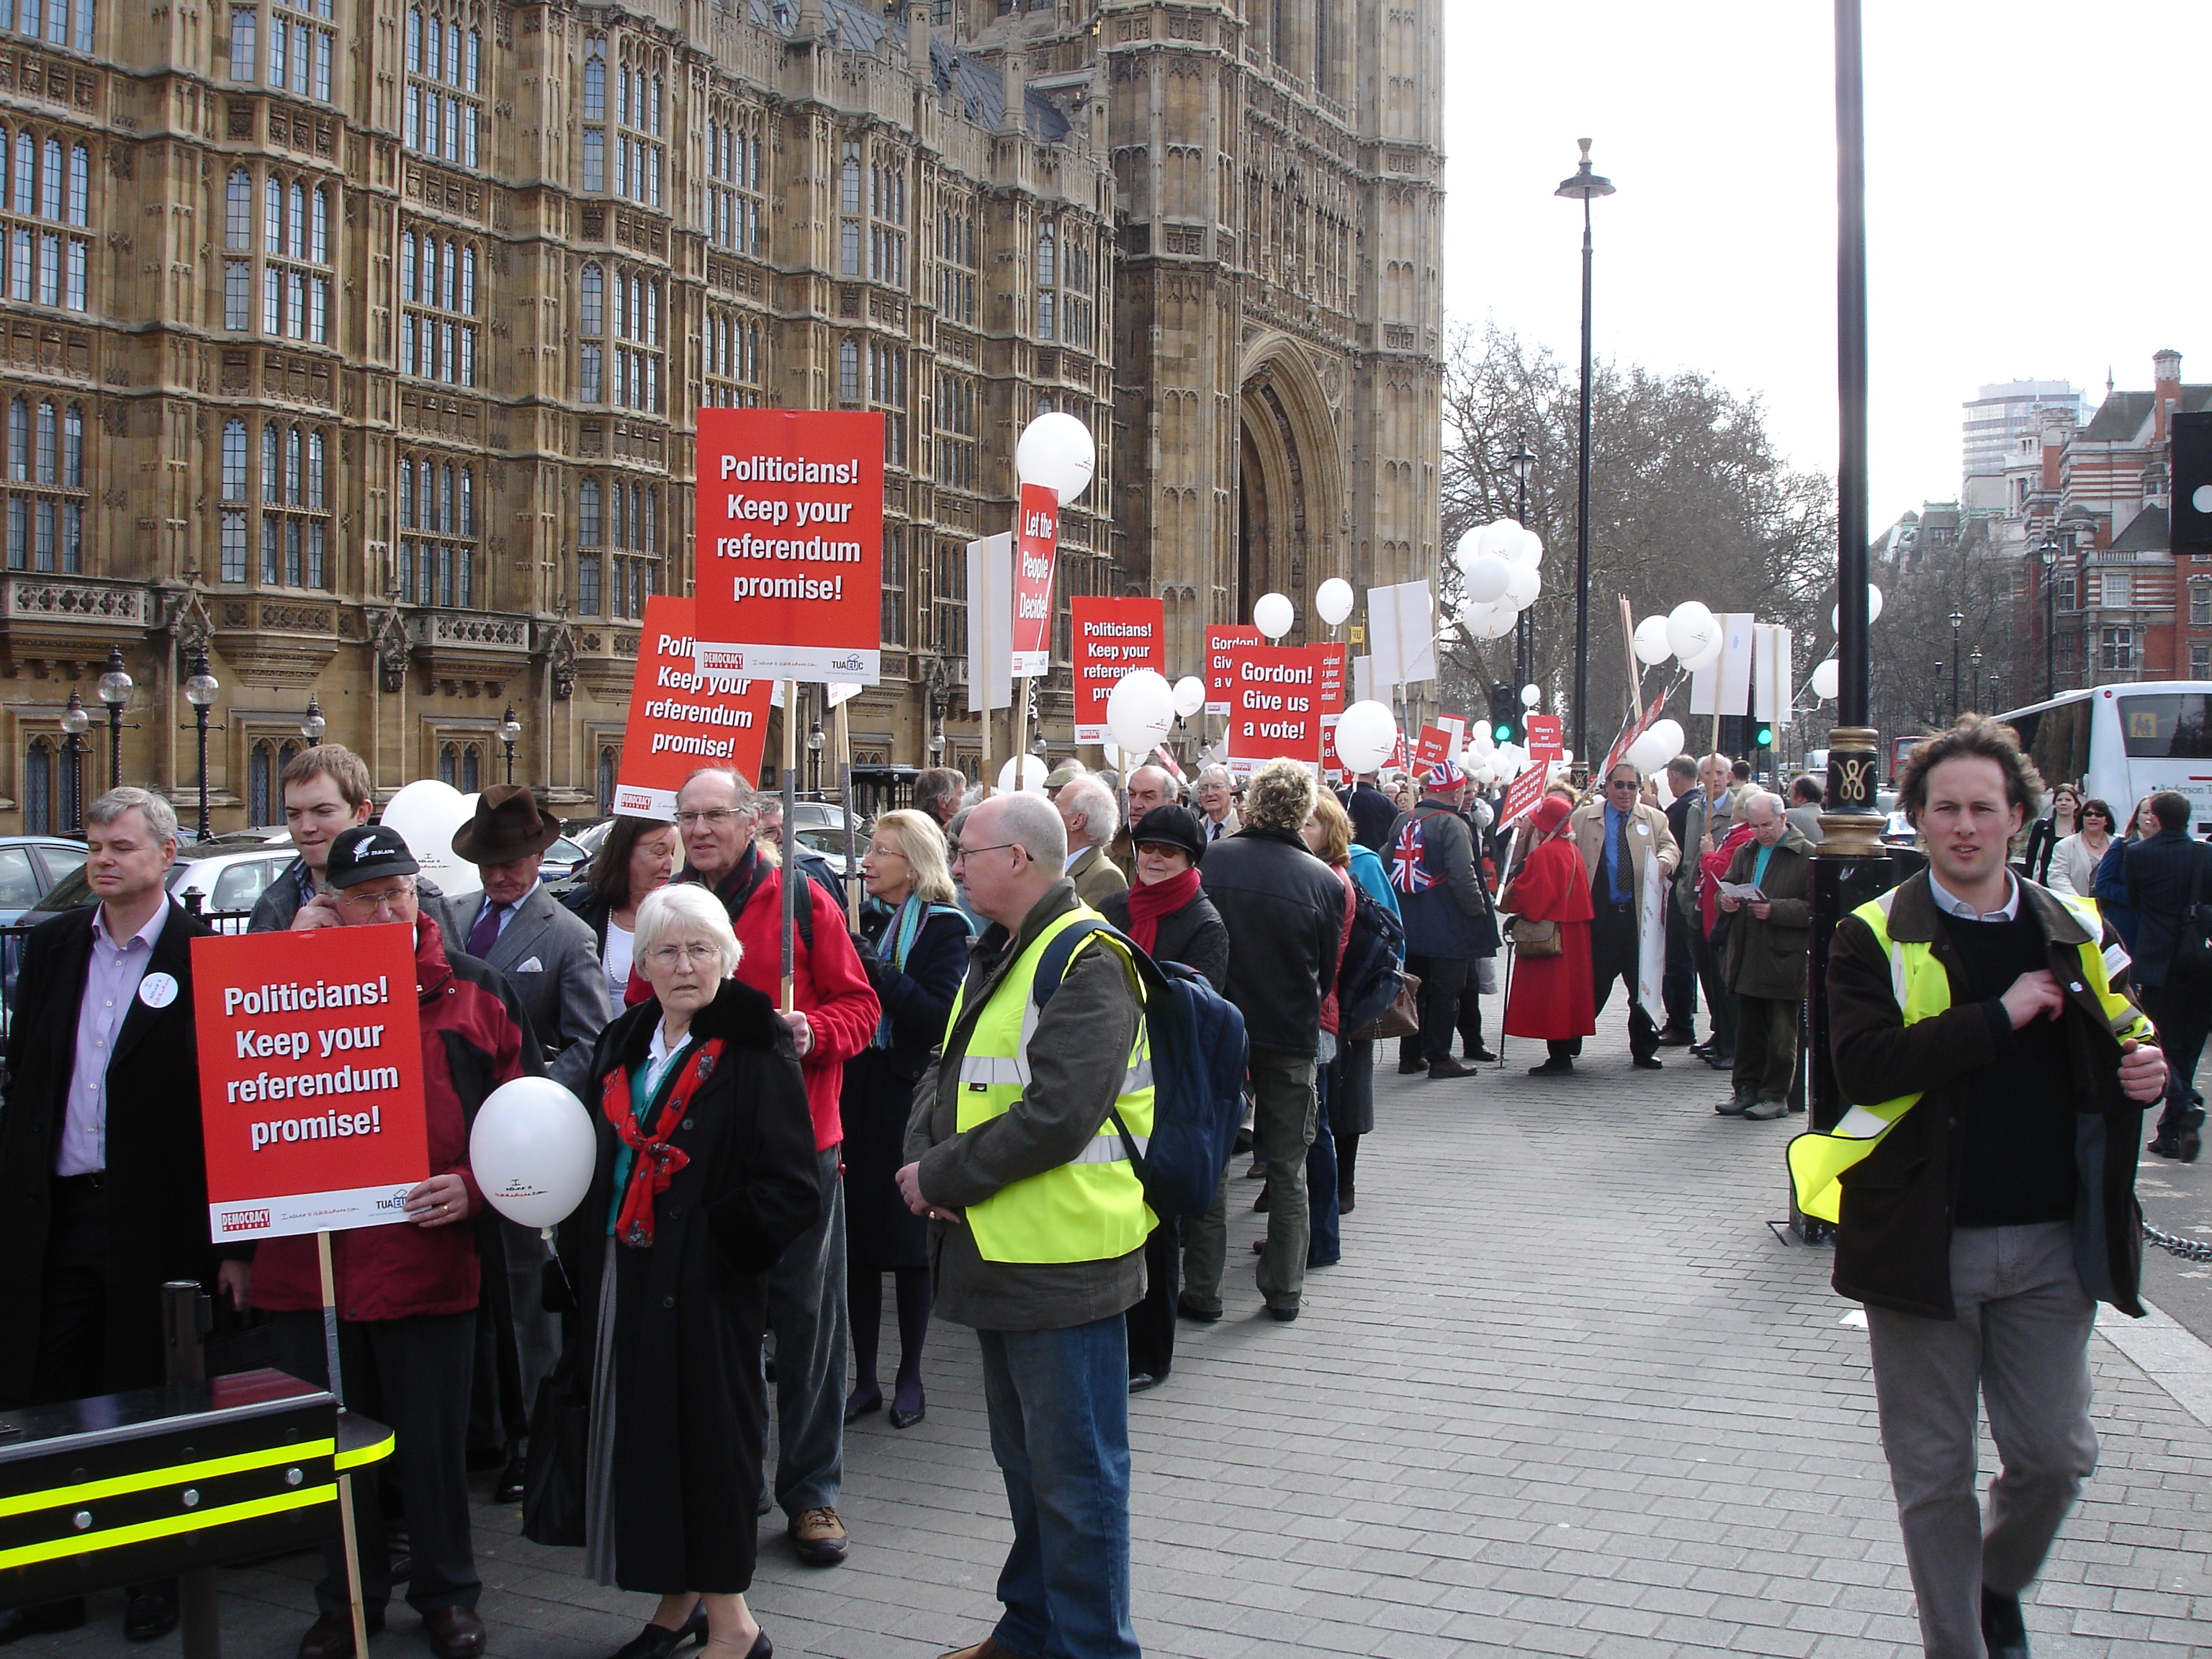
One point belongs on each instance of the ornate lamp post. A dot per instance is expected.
(74, 722)
(312, 727)
(1585, 186)
(816, 742)
(1974, 662)
(1956, 619)
(115, 691)
(510, 733)
(1522, 460)
(201, 691)
(2048, 555)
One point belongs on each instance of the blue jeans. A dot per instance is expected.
(809, 1317)
(1058, 1403)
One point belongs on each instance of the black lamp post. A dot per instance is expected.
(510, 733)
(200, 691)
(1974, 662)
(1586, 187)
(1935, 697)
(312, 727)
(816, 743)
(115, 691)
(1957, 620)
(2048, 554)
(75, 721)
(1522, 460)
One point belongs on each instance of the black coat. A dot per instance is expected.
(881, 1233)
(1194, 936)
(157, 1185)
(1285, 912)
(690, 1406)
(1372, 814)
(2157, 873)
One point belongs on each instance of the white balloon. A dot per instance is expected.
(1528, 548)
(1828, 680)
(1712, 653)
(531, 1149)
(1055, 450)
(1273, 615)
(1033, 775)
(1531, 695)
(1366, 732)
(1499, 539)
(1671, 737)
(1651, 645)
(425, 815)
(1874, 609)
(1489, 621)
(1139, 711)
(1522, 583)
(1486, 578)
(1333, 600)
(1469, 543)
(1690, 627)
(1189, 696)
(1647, 755)
(1566, 757)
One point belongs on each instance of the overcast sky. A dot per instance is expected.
(2025, 218)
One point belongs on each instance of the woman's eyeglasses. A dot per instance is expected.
(667, 955)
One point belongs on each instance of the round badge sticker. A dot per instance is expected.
(158, 990)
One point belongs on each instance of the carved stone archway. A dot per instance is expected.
(1290, 485)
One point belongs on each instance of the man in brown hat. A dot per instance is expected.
(549, 956)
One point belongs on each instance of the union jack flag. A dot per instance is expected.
(1407, 873)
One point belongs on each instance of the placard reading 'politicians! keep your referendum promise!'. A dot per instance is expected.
(681, 717)
(790, 544)
(311, 1080)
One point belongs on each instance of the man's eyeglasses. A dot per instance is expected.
(367, 904)
(697, 954)
(960, 853)
(1620, 783)
(715, 817)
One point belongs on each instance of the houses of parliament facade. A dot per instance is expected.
(356, 343)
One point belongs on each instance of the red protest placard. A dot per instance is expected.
(790, 543)
(1432, 749)
(1274, 704)
(1547, 736)
(681, 719)
(1112, 637)
(1037, 535)
(1523, 794)
(311, 1080)
(1221, 645)
(1331, 658)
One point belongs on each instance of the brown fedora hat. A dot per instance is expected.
(508, 825)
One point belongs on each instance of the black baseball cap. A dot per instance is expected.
(1171, 826)
(367, 852)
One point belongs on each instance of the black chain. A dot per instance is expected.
(2188, 1250)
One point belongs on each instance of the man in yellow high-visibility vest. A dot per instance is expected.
(1038, 1225)
(1985, 1027)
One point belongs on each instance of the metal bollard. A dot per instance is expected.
(187, 1315)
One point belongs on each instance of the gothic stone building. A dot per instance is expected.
(357, 343)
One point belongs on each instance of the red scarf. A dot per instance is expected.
(1149, 901)
(656, 1162)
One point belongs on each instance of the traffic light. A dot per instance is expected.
(1504, 713)
(1764, 737)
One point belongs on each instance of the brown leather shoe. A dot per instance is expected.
(985, 1649)
(331, 1636)
(818, 1536)
(455, 1632)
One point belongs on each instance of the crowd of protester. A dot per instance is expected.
(923, 1108)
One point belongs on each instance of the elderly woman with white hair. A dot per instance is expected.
(706, 1170)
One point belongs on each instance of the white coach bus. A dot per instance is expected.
(2123, 742)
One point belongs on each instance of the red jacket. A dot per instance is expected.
(829, 984)
(1713, 871)
(475, 1038)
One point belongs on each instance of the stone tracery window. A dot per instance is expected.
(43, 500)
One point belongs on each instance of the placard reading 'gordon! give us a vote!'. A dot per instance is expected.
(310, 1079)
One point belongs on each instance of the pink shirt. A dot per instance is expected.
(111, 981)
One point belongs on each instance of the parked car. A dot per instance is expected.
(225, 880)
(31, 866)
(564, 860)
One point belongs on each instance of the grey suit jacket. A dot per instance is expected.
(549, 956)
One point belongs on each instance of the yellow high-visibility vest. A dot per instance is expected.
(1922, 988)
(1091, 1208)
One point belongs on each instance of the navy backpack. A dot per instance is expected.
(1197, 1054)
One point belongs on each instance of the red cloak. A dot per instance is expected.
(1551, 998)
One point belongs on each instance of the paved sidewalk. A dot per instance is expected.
(1566, 1395)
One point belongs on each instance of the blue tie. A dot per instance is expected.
(485, 933)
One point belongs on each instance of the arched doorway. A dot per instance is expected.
(1289, 485)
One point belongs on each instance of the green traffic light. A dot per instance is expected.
(1767, 737)
(1504, 733)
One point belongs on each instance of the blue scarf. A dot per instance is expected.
(897, 938)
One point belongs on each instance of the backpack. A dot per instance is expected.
(1198, 1055)
(1409, 863)
(1368, 978)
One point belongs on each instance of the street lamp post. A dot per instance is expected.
(1957, 619)
(1974, 662)
(1522, 460)
(510, 733)
(115, 691)
(75, 722)
(1585, 186)
(200, 691)
(816, 743)
(312, 727)
(1935, 695)
(2048, 554)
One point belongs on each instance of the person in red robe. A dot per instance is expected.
(1552, 997)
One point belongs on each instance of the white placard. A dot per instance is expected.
(1736, 662)
(1771, 684)
(1403, 620)
(1362, 679)
(994, 631)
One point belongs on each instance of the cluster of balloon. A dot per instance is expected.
(1498, 562)
(1661, 741)
(530, 1150)
(1828, 677)
(1055, 450)
(1140, 710)
(427, 814)
(1366, 735)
